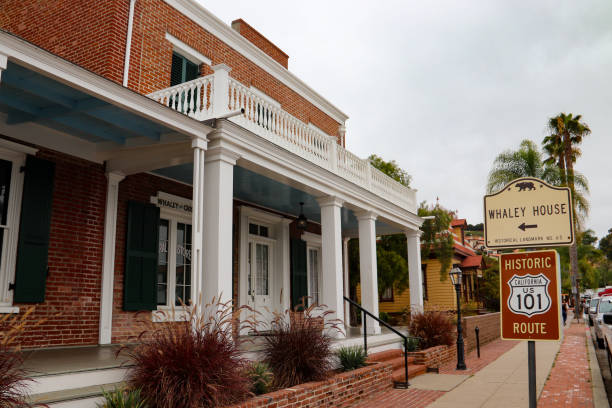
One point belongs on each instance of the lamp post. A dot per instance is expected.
(455, 275)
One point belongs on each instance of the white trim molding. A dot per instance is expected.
(187, 51)
(3, 63)
(108, 258)
(232, 38)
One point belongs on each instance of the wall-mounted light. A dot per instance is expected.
(302, 221)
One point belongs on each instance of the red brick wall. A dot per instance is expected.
(92, 33)
(260, 41)
(488, 325)
(72, 297)
(341, 390)
(138, 187)
(434, 357)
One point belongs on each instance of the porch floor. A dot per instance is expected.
(87, 358)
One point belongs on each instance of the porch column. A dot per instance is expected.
(367, 267)
(108, 258)
(284, 240)
(218, 215)
(415, 276)
(347, 288)
(197, 218)
(331, 242)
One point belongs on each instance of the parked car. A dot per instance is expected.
(585, 312)
(604, 306)
(593, 309)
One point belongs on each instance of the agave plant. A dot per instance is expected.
(122, 398)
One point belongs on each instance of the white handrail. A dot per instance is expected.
(270, 121)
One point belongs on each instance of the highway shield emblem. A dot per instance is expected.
(529, 294)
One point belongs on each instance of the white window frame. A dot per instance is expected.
(16, 154)
(170, 312)
(186, 51)
(313, 242)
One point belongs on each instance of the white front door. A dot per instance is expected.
(259, 279)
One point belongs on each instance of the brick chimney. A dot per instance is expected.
(260, 42)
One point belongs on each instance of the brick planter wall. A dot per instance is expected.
(341, 390)
(434, 357)
(488, 325)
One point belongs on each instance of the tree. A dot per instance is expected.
(437, 241)
(489, 286)
(605, 244)
(524, 162)
(391, 169)
(566, 134)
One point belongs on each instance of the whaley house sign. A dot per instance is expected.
(529, 213)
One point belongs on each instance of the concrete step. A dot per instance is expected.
(413, 371)
(44, 384)
(84, 397)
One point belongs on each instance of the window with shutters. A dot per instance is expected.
(387, 295)
(174, 262)
(12, 159)
(314, 274)
(182, 70)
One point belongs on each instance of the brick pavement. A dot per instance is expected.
(416, 398)
(569, 382)
(488, 353)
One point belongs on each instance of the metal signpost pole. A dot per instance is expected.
(531, 361)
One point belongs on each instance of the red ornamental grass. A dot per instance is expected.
(434, 328)
(192, 364)
(298, 347)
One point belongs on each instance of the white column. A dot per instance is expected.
(367, 267)
(347, 310)
(108, 258)
(220, 97)
(197, 218)
(331, 242)
(415, 275)
(218, 215)
(284, 241)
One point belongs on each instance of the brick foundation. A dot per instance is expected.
(488, 324)
(341, 390)
(434, 357)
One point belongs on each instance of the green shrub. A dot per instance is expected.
(129, 398)
(433, 328)
(384, 316)
(412, 344)
(261, 378)
(351, 358)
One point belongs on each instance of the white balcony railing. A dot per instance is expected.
(201, 100)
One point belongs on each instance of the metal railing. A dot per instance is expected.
(365, 313)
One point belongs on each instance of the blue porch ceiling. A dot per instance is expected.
(27, 96)
(266, 192)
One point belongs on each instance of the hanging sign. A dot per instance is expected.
(528, 213)
(530, 295)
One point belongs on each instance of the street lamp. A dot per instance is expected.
(455, 275)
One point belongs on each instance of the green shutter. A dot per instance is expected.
(299, 278)
(33, 245)
(176, 71)
(140, 278)
(192, 71)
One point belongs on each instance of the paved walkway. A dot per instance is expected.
(569, 383)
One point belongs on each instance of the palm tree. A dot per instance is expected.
(566, 134)
(524, 162)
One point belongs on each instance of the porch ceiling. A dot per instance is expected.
(27, 96)
(266, 192)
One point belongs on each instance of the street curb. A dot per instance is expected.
(600, 398)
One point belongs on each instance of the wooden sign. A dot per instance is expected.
(530, 285)
(528, 213)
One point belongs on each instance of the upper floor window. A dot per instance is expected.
(183, 70)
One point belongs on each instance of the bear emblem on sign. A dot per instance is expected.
(529, 294)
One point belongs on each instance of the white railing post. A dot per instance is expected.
(220, 99)
(342, 134)
(368, 174)
(333, 156)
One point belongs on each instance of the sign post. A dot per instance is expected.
(529, 213)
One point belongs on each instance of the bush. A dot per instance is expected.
(384, 316)
(352, 358)
(434, 329)
(13, 378)
(119, 398)
(261, 378)
(413, 344)
(298, 346)
(191, 364)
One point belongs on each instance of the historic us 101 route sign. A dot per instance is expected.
(528, 213)
(530, 291)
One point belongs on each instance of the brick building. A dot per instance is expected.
(150, 152)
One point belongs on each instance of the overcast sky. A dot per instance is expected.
(443, 87)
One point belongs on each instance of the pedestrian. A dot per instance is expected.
(564, 311)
